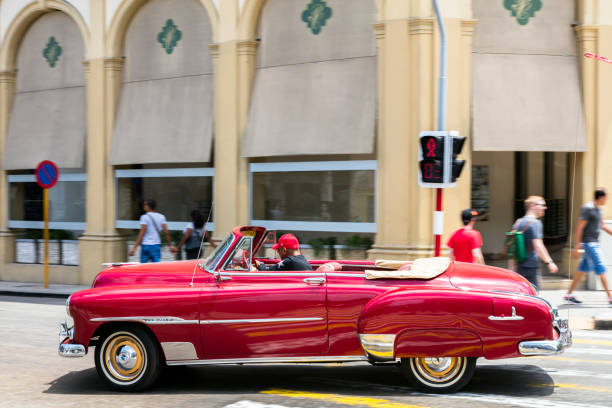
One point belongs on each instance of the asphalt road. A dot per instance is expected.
(33, 375)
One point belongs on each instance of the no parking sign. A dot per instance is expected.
(46, 176)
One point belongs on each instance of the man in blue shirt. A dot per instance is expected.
(587, 237)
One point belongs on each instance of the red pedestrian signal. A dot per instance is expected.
(437, 158)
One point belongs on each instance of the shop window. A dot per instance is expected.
(176, 191)
(334, 196)
(66, 217)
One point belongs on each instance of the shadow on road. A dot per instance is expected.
(362, 380)
(512, 379)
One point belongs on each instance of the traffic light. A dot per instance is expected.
(438, 165)
(432, 158)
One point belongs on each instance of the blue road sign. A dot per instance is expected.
(46, 174)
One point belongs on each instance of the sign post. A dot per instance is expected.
(46, 176)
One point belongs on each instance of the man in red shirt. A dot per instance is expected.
(466, 242)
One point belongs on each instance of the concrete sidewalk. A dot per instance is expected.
(593, 313)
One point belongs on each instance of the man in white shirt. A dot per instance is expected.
(151, 225)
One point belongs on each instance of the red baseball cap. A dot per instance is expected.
(287, 241)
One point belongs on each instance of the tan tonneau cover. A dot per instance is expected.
(423, 268)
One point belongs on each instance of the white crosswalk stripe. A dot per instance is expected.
(520, 401)
(254, 404)
(554, 372)
(587, 334)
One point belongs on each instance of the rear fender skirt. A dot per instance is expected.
(438, 343)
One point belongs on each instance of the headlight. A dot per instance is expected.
(68, 306)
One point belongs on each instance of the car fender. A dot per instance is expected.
(171, 317)
(441, 322)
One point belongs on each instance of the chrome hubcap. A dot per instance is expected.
(127, 358)
(438, 369)
(437, 364)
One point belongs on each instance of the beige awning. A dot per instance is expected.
(46, 125)
(164, 121)
(324, 107)
(527, 103)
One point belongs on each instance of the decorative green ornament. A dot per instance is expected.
(523, 9)
(315, 15)
(52, 52)
(169, 36)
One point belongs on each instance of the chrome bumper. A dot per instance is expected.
(67, 347)
(549, 347)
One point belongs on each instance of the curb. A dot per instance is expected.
(35, 294)
(603, 324)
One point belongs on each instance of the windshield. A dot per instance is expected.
(213, 259)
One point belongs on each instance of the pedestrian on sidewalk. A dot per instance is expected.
(465, 244)
(151, 225)
(533, 232)
(192, 236)
(587, 237)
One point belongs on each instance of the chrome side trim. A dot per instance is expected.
(224, 273)
(179, 350)
(278, 320)
(346, 275)
(145, 319)
(513, 317)
(272, 360)
(379, 347)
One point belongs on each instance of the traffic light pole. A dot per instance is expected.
(439, 214)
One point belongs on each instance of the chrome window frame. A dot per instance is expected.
(236, 247)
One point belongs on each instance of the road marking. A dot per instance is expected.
(574, 387)
(341, 399)
(524, 402)
(576, 360)
(604, 334)
(519, 401)
(570, 373)
(596, 342)
(253, 404)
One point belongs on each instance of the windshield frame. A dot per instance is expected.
(212, 261)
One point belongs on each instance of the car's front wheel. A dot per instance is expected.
(128, 359)
(439, 374)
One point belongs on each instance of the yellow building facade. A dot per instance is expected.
(302, 115)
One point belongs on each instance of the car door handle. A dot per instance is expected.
(314, 281)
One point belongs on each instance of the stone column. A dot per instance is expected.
(408, 67)
(7, 239)
(232, 63)
(101, 242)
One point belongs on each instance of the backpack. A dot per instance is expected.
(194, 240)
(514, 246)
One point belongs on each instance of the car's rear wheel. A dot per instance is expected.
(439, 374)
(128, 359)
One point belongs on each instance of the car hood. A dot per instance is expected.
(161, 273)
(467, 276)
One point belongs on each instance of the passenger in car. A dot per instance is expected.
(292, 259)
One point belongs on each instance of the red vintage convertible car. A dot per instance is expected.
(433, 317)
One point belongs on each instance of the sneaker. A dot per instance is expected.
(571, 299)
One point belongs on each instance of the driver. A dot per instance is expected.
(288, 248)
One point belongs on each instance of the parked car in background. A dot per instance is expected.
(431, 316)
